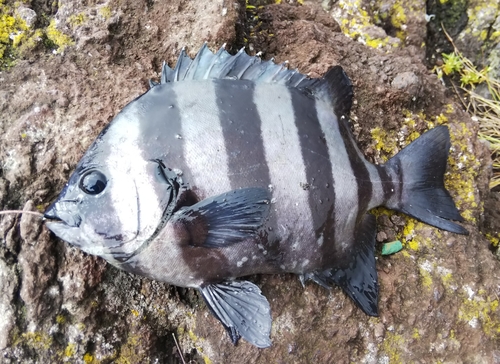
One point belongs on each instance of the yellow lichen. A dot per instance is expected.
(61, 319)
(36, 340)
(89, 359)
(447, 279)
(406, 254)
(413, 244)
(493, 239)
(80, 326)
(60, 39)
(12, 29)
(416, 334)
(392, 346)
(355, 22)
(105, 12)
(135, 312)
(192, 336)
(128, 352)
(77, 19)
(70, 350)
(398, 19)
(477, 310)
(384, 142)
(476, 16)
(426, 278)
(463, 171)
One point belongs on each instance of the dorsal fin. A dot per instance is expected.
(182, 65)
(338, 88)
(334, 86)
(241, 66)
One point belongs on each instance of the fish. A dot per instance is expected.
(232, 166)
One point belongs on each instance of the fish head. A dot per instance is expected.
(85, 216)
(114, 201)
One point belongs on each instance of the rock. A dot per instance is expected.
(8, 285)
(407, 81)
(28, 15)
(60, 305)
(327, 5)
(381, 236)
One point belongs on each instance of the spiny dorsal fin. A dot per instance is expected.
(334, 86)
(241, 66)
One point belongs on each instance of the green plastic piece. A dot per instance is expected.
(392, 247)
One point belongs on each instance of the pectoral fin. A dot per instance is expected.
(242, 310)
(225, 219)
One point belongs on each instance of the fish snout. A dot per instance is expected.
(65, 212)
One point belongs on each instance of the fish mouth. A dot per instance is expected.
(57, 215)
(51, 215)
(65, 225)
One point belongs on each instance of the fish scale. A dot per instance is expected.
(233, 166)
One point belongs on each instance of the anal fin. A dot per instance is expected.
(242, 310)
(358, 275)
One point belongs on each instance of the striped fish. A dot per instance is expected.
(232, 166)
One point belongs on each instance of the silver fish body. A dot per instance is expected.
(232, 166)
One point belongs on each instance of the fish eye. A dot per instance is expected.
(93, 182)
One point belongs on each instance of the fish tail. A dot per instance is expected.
(417, 181)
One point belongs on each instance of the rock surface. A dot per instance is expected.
(438, 298)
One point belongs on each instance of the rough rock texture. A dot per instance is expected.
(474, 26)
(438, 298)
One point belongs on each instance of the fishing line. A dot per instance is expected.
(5, 212)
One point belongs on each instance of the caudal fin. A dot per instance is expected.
(420, 168)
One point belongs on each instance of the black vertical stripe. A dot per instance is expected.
(386, 181)
(161, 128)
(241, 126)
(247, 165)
(361, 173)
(317, 162)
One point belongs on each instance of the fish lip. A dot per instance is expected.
(61, 216)
(52, 218)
